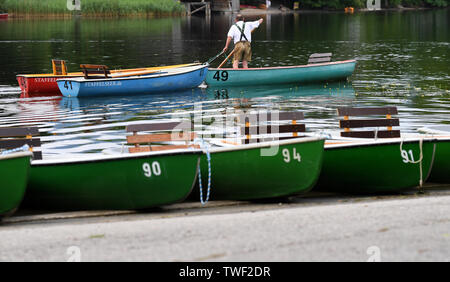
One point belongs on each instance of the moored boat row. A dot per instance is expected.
(269, 155)
(46, 83)
(98, 80)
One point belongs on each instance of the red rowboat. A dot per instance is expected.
(46, 83)
(3, 16)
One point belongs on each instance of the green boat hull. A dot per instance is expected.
(375, 167)
(136, 181)
(14, 170)
(441, 166)
(281, 75)
(242, 173)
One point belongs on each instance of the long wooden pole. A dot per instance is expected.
(226, 59)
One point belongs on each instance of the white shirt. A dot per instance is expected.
(235, 33)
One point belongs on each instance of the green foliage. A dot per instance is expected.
(419, 3)
(437, 3)
(110, 7)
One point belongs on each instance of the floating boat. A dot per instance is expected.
(441, 167)
(243, 173)
(126, 181)
(173, 79)
(263, 169)
(3, 16)
(46, 83)
(14, 169)
(14, 166)
(371, 166)
(136, 179)
(317, 70)
(374, 160)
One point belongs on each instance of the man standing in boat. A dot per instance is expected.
(241, 33)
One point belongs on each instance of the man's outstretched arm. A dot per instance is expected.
(227, 44)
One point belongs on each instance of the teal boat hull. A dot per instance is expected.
(313, 73)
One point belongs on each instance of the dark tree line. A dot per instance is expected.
(339, 4)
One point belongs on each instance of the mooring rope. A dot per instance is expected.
(415, 162)
(205, 147)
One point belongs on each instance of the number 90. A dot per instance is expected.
(155, 168)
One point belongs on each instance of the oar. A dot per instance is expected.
(226, 59)
(215, 57)
(133, 73)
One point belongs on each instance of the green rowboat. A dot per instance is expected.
(375, 165)
(312, 73)
(253, 171)
(441, 167)
(13, 180)
(121, 181)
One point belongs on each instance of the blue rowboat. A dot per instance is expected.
(312, 73)
(167, 80)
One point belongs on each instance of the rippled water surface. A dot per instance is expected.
(403, 60)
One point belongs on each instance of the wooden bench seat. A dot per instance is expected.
(387, 122)
(179, 131)
(59, 67)
(319, 58)
(16, 137)
(255, 124)
(95, 71)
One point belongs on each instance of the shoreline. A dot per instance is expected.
(246, 11)
(326, 11)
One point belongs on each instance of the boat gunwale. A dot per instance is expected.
(115, 157)
(79, 73)
(357, 142)
(135, 77)
(287, 67)
(16, 155)
(262, 145)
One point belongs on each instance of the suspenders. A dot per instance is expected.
(242, 31)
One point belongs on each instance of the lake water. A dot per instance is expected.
(403, 60)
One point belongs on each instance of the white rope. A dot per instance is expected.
(205, 147)
(416, 162)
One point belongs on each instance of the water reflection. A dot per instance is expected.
(399, 64)
(331, 89)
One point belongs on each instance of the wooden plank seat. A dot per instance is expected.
(59, 67)
(387, 122)
(178, 131)
(319, 58)
(256, 124)
(95, 71)
(16, 137)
